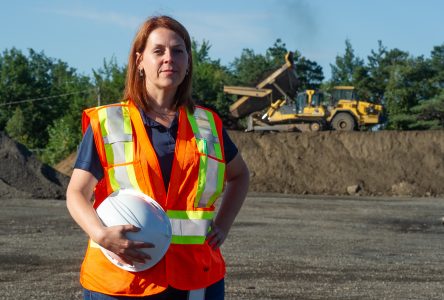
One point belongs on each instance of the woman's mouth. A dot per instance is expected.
(168, 71)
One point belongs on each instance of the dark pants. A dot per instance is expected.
(213, 292)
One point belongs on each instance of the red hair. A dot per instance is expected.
(135, 89)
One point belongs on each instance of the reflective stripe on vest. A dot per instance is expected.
(211, 171)
(189, 227)
(117, 133)
(196, 294)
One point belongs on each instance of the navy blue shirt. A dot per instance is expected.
(164, 143)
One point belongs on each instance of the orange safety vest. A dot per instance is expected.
(197, 180)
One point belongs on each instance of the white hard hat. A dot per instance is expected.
(132, 207)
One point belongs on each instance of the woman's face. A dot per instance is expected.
(164, 60)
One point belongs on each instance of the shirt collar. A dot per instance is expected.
(151, 123)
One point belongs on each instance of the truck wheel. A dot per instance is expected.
(343, 122)
(315, 126)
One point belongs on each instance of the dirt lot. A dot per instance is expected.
(280, 248)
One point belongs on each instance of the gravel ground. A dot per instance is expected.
(281, 247)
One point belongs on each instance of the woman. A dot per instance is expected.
(158, 142)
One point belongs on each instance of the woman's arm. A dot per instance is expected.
(78, 201)
(238, 178)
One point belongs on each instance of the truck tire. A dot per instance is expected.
(343, 122)
(316, 126)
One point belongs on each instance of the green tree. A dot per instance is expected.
(429, 113)
(250, 68)
(63, 140)
(16, 127)
(437, 62)
(409, 84)
(14, 82)
(43, 88)
(276, 54)
(378, 73)
(308, 73)
(109, 80)
(381, 63)
(343, 70)
(209, 78)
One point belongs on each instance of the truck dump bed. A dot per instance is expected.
(281, 83)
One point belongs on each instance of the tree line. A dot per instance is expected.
(42, 98)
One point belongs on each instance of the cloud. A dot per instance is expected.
(120, 20)
(245, 27)
(228, 34)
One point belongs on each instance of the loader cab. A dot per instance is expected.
(317, 99)
(309, 98)
(301, 102)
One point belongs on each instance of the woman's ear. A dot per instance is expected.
(138, 58)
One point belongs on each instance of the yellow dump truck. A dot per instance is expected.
(275, 104)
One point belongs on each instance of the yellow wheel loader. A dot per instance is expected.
(276, 105)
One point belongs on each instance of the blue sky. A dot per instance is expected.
(83, 33)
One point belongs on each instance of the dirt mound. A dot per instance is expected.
(22, 175)
(384, 163)
(339, 163)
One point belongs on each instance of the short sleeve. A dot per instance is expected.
(230, 148)
(87, 156)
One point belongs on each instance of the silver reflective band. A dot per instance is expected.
(190, 227)
(121, 176)
(196, 294)
(118, 153)
(114, 120)
(211, 182)
(114, 138)
(205, 131)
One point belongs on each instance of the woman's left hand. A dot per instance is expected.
(216, 236)
(238, 178)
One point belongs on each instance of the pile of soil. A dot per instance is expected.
(389, 163)
(383, 163)
(22, 175)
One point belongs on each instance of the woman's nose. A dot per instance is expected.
(168, 56)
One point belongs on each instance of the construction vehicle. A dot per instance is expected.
(276, 105)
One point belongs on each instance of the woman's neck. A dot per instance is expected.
(161, 100)
(162, 115)
(162, 108)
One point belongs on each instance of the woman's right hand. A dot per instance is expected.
(127, 251)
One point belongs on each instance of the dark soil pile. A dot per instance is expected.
(339, 163)
(22, 175)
